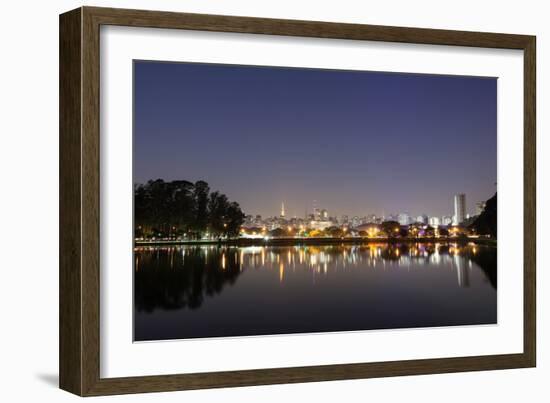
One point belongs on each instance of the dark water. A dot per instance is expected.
(208, 291)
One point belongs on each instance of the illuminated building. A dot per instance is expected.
(404, 218)
(320, 225)
(460, 208)
(422, 218)
(392, 217)
(316, 211)
(372, 218)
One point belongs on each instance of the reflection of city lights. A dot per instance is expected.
(313, 260)
(241, 260)
(321, 259)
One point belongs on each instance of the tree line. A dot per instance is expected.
(486, 222)
(178, 208)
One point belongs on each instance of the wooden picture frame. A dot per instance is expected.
(79, 201)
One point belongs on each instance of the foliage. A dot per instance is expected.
(277, 233)
(486, 222)
(392, 228)
(181, 207)
(316, 233)
(335, 232)
(443, 231)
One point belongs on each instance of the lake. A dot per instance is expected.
(213, 291)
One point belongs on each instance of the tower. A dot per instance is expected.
(460, 208)
(316, 211)
(283, 210)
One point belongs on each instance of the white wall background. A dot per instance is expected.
(29, 198)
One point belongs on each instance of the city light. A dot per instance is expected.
(321, 224)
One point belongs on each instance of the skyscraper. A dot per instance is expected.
(460, 208)
(422, 218)
(404, 218)
(283, 210)
(316, 211)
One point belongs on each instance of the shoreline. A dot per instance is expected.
(315, 241)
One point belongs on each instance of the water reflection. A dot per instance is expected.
(176, 277)
(183, 278)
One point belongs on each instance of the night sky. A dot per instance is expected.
(356, 142)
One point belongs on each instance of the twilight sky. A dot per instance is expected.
(356, 142)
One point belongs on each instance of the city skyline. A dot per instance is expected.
(359, 143)
(468, 212)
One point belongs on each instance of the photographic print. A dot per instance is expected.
(276, 200)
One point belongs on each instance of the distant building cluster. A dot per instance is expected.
(320, 220)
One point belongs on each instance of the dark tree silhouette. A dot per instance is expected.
(335, 232)
(161, 282)
(200, 195)
(181, 207)
(277, 233)
(486, 222)
(391, 228)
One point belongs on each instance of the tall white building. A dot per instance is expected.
(422, 218)
(321, 225)
(404, 219)
(460, 208)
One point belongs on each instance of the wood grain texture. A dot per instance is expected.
(70, 271)
(221, 23)
(80, 201)
(530, 203)
(90, 202)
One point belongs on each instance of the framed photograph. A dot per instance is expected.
(249, 201)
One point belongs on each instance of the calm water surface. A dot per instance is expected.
(209, 291)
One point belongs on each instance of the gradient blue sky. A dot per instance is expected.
(356, 142)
